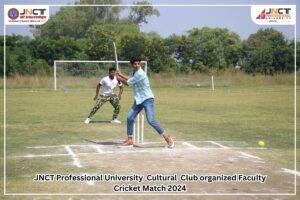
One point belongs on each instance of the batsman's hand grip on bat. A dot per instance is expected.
(119, 78)
(120, 74)
(122, 78)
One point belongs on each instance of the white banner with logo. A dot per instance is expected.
(273, 14)
(26, 14)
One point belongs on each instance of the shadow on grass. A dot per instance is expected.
(103, 143)
(99, 122)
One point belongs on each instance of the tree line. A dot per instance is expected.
(86, 33)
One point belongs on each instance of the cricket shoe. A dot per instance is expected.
(170, 142)
(87, 121)
(115, 121)
(126, 144)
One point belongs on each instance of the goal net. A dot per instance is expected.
(84, 73)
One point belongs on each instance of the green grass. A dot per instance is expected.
(236, 111)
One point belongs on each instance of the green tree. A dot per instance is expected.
(49, 50)
(40, 67)
(99, 43)
(99, 38)
(74, 21)
(133, 45)
(106, 14)
(158, 57)
(183, 51)
(139, 14)
(173, 42)
(18, 55)
(268, 46)
(206, 48)
(261, 61)
(121, 29)
(215, 48)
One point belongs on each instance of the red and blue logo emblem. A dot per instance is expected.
(13, 13)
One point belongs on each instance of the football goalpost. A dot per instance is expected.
(56, 62)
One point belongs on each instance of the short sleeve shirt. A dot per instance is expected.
(108, 85)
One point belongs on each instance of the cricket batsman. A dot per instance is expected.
(143, 99)
(108, 84)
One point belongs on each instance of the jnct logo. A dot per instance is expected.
(275, 13)
(280, 11)
(262, 15)
(13, 13)
(26, 14)
(33, 12)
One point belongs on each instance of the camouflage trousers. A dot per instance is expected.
(113, 100)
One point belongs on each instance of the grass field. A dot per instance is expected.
(241, 111)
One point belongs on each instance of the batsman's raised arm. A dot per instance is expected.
(123, 79)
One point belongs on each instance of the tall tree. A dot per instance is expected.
(72, 21)
(158, 57)
(133, 45)
(49, 50)
(139, 13)
(99, 43)
(212, 47)
(271, 49)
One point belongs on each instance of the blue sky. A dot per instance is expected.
(177, 20)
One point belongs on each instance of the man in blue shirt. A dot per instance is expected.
(143, 99)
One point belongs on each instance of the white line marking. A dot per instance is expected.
(255, 148)
(102, 151)
(99, 150)
(190, 145)
(39, 198)
(119, 152)
(218, 144)
(41, 147)
(291, 171)
(108, 152)
(154, 142)
(76, 161)
(250, 156)
(70, 145)
(53, 155)
(40, 155)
